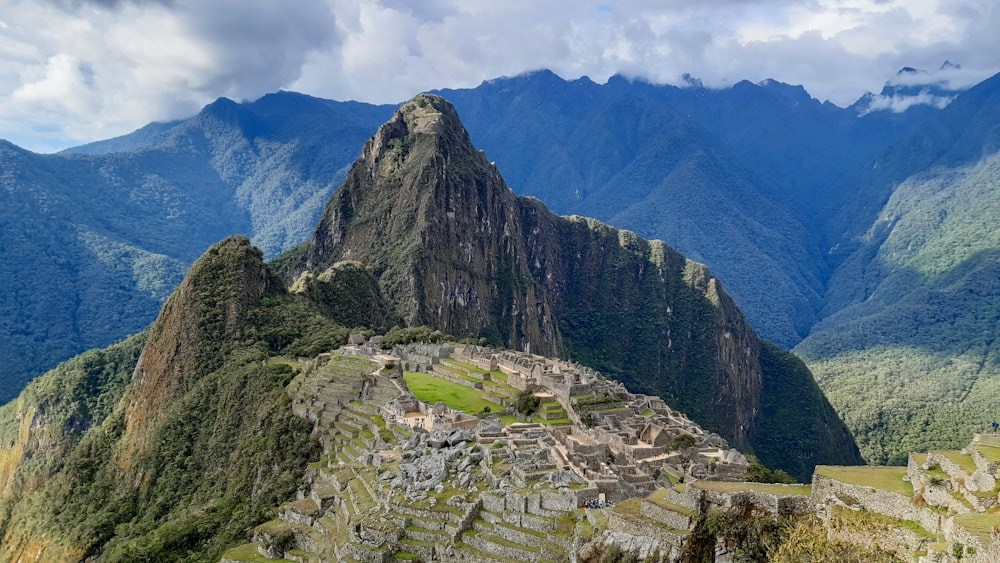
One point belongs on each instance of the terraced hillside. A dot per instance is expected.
(404, 478)
(451, 469)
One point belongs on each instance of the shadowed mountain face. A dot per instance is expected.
(745, 179)
(455, 249)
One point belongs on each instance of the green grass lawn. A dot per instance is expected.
(431, 389)
(540, 420)
(991, 453)
(632, 507)
(885, 478)
(465, 365)
(777, 490)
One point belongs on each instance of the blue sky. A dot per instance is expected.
(73, 71)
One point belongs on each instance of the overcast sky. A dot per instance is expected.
(73, 71)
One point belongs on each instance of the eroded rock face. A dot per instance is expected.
(426, 211)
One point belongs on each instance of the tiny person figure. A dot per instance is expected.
(995, 426)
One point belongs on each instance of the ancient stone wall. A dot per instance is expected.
(826, 492)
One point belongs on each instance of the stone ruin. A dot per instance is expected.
(458, 487)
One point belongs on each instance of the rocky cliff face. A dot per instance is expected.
(455, 249)
(438, 226)
(641, 310)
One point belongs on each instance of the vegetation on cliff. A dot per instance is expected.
(908, 352)
(197, 448)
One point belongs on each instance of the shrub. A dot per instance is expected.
(527, 404)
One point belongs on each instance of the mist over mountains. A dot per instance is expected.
(864, 235)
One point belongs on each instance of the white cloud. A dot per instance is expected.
(901, 103)
(72, 71)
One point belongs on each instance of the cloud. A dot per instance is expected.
(83, 70)
(898, 103)
(72, 71)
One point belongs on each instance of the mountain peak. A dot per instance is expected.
(454, 249)
(426, 126)
(429, 114)
(200, 320)
(420, 192)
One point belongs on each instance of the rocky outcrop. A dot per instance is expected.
(435, 222)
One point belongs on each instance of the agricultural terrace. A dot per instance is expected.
(885, 478)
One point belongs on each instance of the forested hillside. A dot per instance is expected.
(745, 179)
(175, 459)
(850, 228)
(908, 351)
(93, 240)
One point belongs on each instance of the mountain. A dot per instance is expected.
(729, 177)
(774, 191)
(453, 248)
(745, 179)
(908, 348)
(93, 240)
(912, 88)
(170, 444)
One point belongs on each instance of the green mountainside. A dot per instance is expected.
(744, 179)
(908, 353)
(171, 453)
(93, 240)
(870, 236)
(453, 248)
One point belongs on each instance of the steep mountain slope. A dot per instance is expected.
(455, 249)
(913, 312)
(93, 240)
(730, 177)
(177, 460)
(744, 179)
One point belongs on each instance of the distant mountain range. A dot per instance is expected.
(811, 215)
(94, 239)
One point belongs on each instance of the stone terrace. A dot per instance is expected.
(595, 465)
(388, 490)
(951, 497)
